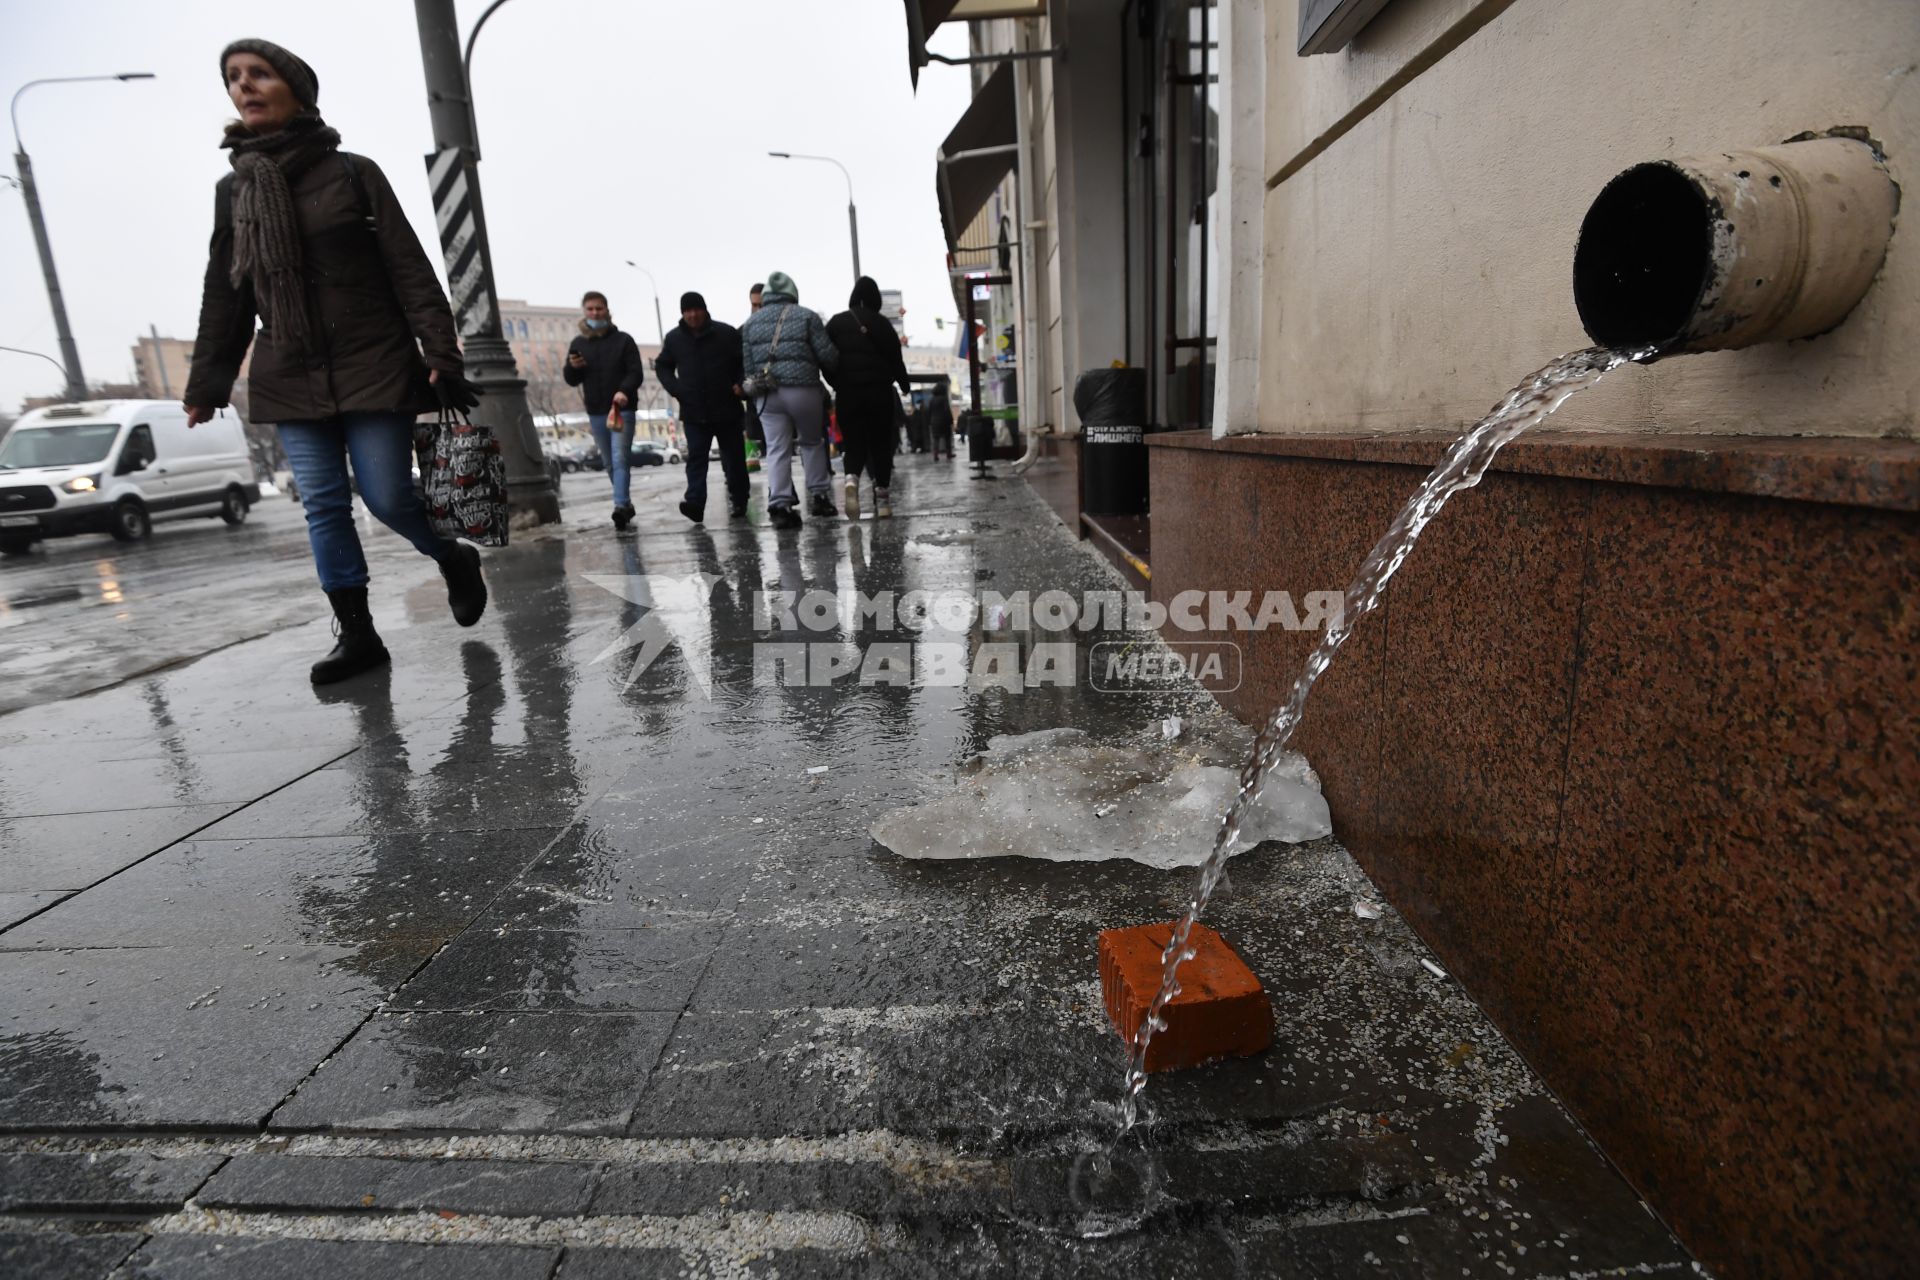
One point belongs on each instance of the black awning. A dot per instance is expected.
(922, 17)
(977, 154)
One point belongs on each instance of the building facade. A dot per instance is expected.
(1635, 735)
(937, 361)
(161, 366)
(539, 336)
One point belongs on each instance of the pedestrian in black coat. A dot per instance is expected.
(871, 365)
(700, 366)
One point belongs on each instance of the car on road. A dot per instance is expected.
(572, 456)
(647, 453)
(114, 466)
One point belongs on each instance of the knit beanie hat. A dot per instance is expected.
(285, 63)
(781, 283)
(865, 294)
(691, 301)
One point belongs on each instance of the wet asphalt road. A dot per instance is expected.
(78, 614)
(515, 962)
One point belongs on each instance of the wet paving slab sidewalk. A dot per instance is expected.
(517, 961)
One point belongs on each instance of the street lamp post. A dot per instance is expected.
(22, 351)
(653, 389)
(853, 217)
(69, 351)
(466, 75)
(463, 241)
(658, 323)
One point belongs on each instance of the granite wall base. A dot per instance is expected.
(1055, 476)
(1634, 743)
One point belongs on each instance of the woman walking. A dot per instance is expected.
(311, 241)
(785, 349)
(870, 367)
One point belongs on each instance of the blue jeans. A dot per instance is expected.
(733, 460)
(619, 464)
(381, 448)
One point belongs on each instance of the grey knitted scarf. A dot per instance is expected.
(266, 234)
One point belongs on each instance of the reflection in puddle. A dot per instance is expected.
(40, 599)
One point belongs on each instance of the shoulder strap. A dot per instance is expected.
(773, 347)
(881, 336)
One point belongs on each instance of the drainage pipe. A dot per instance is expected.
(1029, 364)
(1727, 250)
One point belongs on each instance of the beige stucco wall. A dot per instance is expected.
(1418, 251)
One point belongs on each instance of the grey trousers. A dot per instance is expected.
(791, 413)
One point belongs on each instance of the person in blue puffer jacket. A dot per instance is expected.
(785, 346)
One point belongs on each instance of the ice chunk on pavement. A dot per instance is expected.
(1019, 745)
(1060, 796)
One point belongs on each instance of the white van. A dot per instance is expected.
(113, 466)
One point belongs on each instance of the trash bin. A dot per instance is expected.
(991, 439)
(1112, 404)
(977, 428)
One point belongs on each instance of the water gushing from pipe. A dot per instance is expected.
(1466, 461)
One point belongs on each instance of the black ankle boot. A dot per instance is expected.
(359, 648)
(466, 589)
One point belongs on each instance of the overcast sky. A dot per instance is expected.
(612, 129)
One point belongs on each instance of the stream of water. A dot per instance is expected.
(1466, 461)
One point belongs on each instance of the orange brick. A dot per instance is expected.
(1221, 1011)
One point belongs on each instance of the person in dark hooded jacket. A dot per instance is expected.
(871, 366)
(356, 337)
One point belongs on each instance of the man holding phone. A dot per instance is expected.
(605, 364)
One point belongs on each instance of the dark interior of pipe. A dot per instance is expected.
(1643, 258)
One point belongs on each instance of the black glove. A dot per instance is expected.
(455, 392)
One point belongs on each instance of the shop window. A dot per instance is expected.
(1171, 97)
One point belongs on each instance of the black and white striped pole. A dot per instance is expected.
(462, 221)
